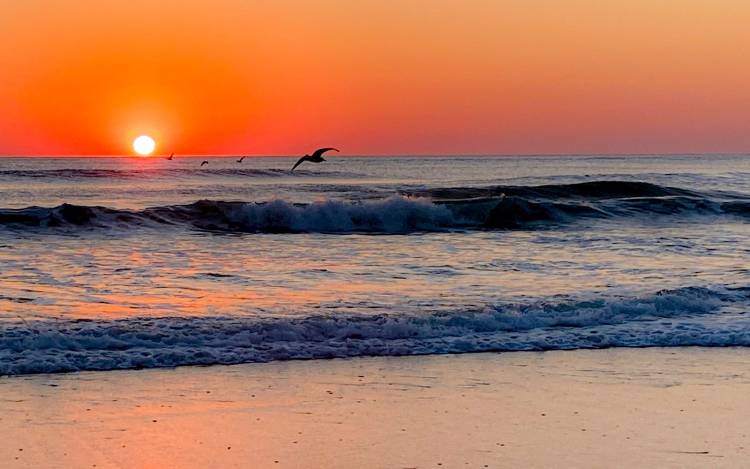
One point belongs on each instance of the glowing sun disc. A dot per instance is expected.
(144, 145)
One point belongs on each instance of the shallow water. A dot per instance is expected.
(117, 263)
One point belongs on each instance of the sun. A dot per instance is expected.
(144, 145)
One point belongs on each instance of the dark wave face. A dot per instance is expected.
(586, 190)
(497, 207)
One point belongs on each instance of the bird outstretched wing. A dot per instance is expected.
(320, 151)
(300, 161)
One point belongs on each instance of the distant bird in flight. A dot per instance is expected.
(204, 162)
(316, 157)
(170, 157)
(240, 160)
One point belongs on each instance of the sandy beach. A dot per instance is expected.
(614, 408)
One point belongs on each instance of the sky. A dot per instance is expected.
(84, 77)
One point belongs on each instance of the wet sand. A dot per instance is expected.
(682, 407)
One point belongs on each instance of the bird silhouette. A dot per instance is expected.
(170, 157)
(204, 162)
(316, 157)
(242, 158)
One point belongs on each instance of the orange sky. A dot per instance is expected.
(375, 76)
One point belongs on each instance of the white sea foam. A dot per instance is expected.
(391, 215)
(681, 317)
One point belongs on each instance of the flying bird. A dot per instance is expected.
(170, 157)
(204, 162)
(242, 158)
(316, 157)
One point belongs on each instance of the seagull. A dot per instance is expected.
(204, 162)
(170, 157)
(242, 158)
(316, 157)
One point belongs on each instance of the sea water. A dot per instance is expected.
(109, 263)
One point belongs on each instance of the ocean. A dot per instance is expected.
(113, 263)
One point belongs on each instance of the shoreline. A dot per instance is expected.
(671, 407)
(137, 369)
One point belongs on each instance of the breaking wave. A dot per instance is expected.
(691, 316)
(502, 207)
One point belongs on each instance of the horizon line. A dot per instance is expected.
(379, 155)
